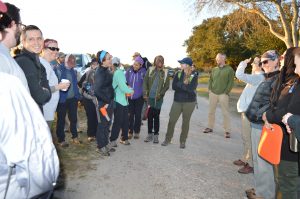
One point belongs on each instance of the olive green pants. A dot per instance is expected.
(178, 108)
(286, 178)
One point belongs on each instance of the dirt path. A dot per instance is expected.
(148, 171)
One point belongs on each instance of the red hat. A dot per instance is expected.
(3, 7)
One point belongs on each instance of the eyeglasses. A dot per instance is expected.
(53, 48)
(23, 26)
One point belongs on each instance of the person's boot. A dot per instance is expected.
(114, 144)
(103, 151)
(155, 139)
(165, 143)
(182, 145)
(125, 142)
(149, 138)
(130, 134)
(110, 148)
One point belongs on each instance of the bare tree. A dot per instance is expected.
(282, 16)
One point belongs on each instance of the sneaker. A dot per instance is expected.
(103, 151)
(239, 163)
(91, 139)
(76, 141)
(208, 130)
(227, 135)
(113, 144)
(136, 136)
(64, 144)
(155, 139)
(246, 169)
(165, 143)
(130, 134)
(149, 138)
(125, 142)
(110, 148)
(182, 145)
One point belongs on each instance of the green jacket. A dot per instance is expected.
(163, 86)
(221, 80)
(120, 87)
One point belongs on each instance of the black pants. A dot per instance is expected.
(71, 106)
(135, 113)
(120, 123)
(91, 115)
(103, 128)
(153, 118)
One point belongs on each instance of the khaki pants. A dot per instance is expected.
(246, 136)
(223, 99)
(178, 108)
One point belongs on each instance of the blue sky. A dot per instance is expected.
(121, 27)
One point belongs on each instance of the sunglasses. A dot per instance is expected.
(264, 62)
(53, 48)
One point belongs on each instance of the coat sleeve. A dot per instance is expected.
(121, 82)
(39, 91)
(294, 123)
(146, 84)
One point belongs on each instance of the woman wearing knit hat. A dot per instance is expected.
(184, 84)
(120, 105)
(135, 78)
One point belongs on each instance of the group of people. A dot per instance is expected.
(40, 82)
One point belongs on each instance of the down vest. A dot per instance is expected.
(261, 99)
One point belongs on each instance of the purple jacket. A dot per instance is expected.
(135, 80)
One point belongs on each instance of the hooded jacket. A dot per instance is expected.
(135, 80)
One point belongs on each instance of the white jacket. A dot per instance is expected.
(252, 80)
(25, 141)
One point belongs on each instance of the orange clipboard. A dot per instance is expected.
(269, 147)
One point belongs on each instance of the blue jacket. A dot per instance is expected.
(62, 74)
(135, 80)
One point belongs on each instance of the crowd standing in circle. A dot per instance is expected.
(44, 83)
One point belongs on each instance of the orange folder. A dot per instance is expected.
(269, 147)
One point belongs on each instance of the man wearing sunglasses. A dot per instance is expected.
(10, 30)
(35, 72)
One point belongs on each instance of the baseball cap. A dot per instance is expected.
(116, 61)
(187, 61)
(270, 54)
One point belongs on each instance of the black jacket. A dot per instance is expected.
(36, 77)
(261, 100)
(294, 123)
(103, 86)
(184, 92)
(288, 101)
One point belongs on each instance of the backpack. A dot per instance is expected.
(88, 86)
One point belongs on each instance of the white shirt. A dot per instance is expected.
(25, 141)
(50, 107)
(10, 66)
(252, 80)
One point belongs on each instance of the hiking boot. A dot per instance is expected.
(149, 138)
(136, 136)
(155, 139)
(103, 151)
(208, 130)
(182, 145)
(91, 139)
(125, 142)
(165, 143)
(246, 169)
(64, 144)
(76, 141)
(113, 144)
